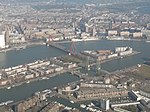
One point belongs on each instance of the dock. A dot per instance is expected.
(77, 73)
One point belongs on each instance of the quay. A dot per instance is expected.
(77, 73)
(38, 70)
(115, 58)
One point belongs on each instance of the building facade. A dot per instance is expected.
(2, 41)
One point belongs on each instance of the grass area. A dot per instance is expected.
(144, 71)
(131, 108)
(71, 59)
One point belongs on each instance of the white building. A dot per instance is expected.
(147, 33)
(2, 41)
(125, 33)
(112, 32)
(137, 34)
(120, 49)
(105, 104)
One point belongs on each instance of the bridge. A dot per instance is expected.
(50, 42)
(77, 73)
(57, 46)
(72, 51)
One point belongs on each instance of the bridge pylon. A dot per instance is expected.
(72, 49)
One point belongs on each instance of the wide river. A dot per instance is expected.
(31, 54)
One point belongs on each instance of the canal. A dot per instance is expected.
(26, 90)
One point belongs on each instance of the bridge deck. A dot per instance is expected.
(55, 45)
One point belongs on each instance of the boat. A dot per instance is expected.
(28, 82)
(47, 44)
(87, 108)
(139, 65)
(23, 47)
(17, 48)
(47, 77)
(44, 43)
(47, 91)
(13, 85)
(44, 77)
(148, 41)
(83, 106)
(9, 87)
(92, 104)
(68, 108)
(76, 40)
(2, 103)
(89, 39)
(8, 102)
(71, 101)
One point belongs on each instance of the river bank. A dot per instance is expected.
(27, 45)
(45, 77)
(20, 47)
(120, 57)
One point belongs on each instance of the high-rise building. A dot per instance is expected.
(2, 41)
(104, 104)
(94, 31)
(7, 36)
(86, 28)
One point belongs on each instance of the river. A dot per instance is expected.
(26, 90)
(140, 46)
(144, 10)
(31, 54)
